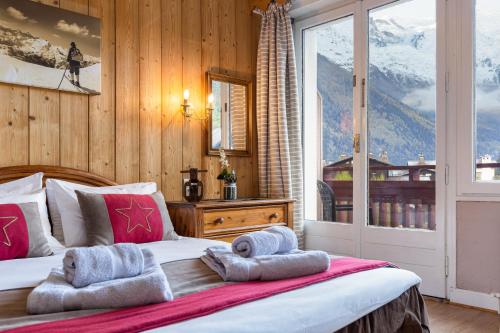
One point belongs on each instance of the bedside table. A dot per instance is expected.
(226, 220)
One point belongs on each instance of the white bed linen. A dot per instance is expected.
(323, 307)
(28, 273)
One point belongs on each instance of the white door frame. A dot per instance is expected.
(363, 236)
(346, 236)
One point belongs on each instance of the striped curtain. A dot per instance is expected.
(278, 117)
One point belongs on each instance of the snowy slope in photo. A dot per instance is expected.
(19, 72)
(28, 60)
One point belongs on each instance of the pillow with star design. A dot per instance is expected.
(21, 232)
(125, 218)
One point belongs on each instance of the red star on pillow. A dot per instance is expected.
(137, 216)
(5, 222)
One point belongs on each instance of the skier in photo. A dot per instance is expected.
(74, 59)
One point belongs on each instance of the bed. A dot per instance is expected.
(378, 300)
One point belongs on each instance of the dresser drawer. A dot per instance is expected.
(224, 220)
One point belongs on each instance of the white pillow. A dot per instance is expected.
(41, 201)
(67, 219)
(24, 185)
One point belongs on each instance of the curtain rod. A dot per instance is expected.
(259, 11)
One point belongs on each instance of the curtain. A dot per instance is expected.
(279, 134)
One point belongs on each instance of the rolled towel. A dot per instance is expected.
(87, 265)
(57, 295)
(267, 241)
(232, 267)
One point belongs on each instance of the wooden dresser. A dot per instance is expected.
(226, 220)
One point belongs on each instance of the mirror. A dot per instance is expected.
(229, 121)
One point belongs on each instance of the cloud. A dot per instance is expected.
(72, 28)
(17, 14)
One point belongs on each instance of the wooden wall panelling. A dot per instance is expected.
(74, 112)
(127, 91)
(235, 27)
(77, 6)
(74, 121)
(227, 52)
(14, 125)
(43, 126)
(172, 120)
(102, 107)
(210, 61)
(192, 80)
(227, 32)
(244, 69)
(150, 90)
(150, 51)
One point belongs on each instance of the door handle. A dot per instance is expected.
(363, 92)
(219, 220)
(356, 143)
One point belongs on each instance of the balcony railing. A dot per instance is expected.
(399, 196)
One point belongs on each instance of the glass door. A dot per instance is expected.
(374, 113)
(331, 104)
(404, 134)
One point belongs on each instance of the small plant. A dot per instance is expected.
(227, 174)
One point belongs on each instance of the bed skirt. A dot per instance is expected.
(405, 314)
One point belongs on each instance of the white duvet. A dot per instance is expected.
(323, 307)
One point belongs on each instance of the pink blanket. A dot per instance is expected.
(199, 304)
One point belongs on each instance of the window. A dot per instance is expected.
(487, 91)
(402, 114)
(330, 54)
(478, 98)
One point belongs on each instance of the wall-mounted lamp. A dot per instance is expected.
(186, 107)
(187, 111)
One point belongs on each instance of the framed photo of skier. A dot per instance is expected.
(47, 47)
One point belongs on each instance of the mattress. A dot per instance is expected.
(323, 307)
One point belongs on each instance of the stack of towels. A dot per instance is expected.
(269, 254)
(101, 277)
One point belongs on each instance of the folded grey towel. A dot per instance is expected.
(267, 241)
(86, 265)
(232, 267)
(57, 295)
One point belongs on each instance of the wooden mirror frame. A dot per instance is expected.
(211, 76)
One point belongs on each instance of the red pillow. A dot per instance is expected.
(125, 218)
(21, 233)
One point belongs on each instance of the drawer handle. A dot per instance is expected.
(219, 220)
(274, 216)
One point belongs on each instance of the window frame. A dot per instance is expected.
(466, 108)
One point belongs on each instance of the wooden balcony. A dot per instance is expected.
(399, 196)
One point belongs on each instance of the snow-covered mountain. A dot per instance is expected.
(26, 47)
(401, 94)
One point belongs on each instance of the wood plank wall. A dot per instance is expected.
(151, 50)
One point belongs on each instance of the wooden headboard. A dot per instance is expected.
(73, 175)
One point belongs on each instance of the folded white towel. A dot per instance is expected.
(86, 265)
(267, 241)
(57, 295)
(232, 267)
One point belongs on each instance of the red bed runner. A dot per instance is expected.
(199, 304)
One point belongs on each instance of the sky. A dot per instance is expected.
(59, 27)
(401, 10)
